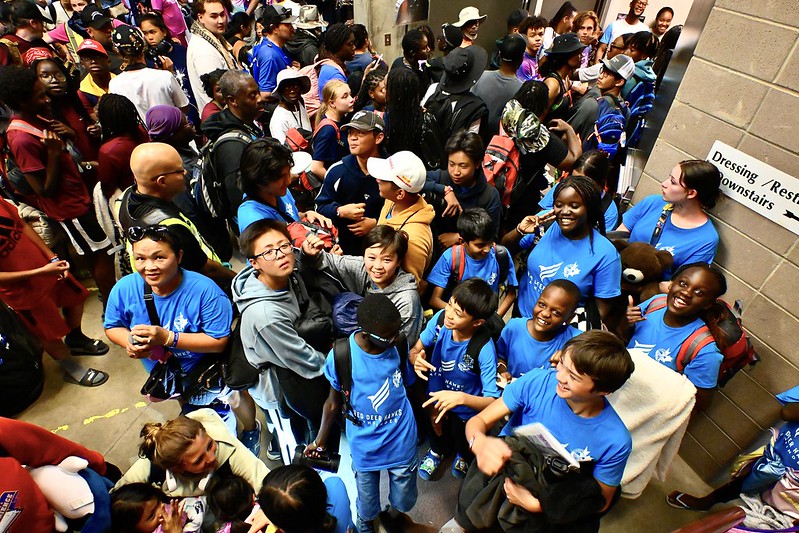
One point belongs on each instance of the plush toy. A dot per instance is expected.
(67, 492)
(642, 268)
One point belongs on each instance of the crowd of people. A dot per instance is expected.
(425, 248)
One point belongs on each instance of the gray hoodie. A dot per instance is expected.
(350, 270)
(268, 334)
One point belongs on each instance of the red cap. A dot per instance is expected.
(90, 44)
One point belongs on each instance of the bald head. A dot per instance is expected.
(155, 167)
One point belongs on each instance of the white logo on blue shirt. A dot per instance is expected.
(669, 249)
(663, 355)
(646, 348)
(447, 366)
(466, 364)
(548, 271)
(397, 378)
(180, 323)
(380, 396)
(582, 454)
(570, 271)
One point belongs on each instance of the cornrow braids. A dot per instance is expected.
(117, 116)
(369, 83)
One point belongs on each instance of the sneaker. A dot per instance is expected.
(252, 439)
(273, 450)
(429, 465)
(459, 467)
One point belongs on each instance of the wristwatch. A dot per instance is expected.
(447, 190)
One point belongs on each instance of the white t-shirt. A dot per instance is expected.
(202, 58)
(283, 120)
(620, 27)
(148, 87)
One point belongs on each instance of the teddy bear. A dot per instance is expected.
(642, 268)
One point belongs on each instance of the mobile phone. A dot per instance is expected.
(135, 340)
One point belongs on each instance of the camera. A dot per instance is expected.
(325, 460)
(152, 53)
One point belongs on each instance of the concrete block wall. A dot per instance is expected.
(742, 87)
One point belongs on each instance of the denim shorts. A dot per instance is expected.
(402, 491)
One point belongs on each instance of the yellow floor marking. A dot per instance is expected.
(109, 414)
(60, 428)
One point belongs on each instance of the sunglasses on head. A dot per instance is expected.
(155, 233)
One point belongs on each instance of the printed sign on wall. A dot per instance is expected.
(760, 187)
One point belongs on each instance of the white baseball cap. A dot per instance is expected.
(302, 162)
(404, 169)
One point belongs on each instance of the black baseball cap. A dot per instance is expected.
(93, 17)
(26, 10)
(512, 48)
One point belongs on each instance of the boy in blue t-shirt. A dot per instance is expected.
(458, 386)
(571, 403)
(528, 343)
(477, 257)
(381, 429)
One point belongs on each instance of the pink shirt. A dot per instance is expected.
(173, 18)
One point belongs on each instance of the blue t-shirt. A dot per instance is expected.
(252, 211)
(387, 436)
(611, 215)
(327, 73)
(329, 145)
(487, 269)
(198, 305)
(268, 60)
(523, 353)
(603, 438)
(662, 343)
(454, 367)
(686, 245)
(596, 270)
(338, 504)
(787, 444)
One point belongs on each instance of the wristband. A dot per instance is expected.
(519, 231)
(169, 338)
(448, 189)
(175, 340)
(54, 259)
(503, 363)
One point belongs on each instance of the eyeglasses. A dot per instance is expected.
(181, 171)
(613, 46)
(271, 253)
(155, 233)
(382, 340)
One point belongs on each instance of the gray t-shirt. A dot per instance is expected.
(496, 90)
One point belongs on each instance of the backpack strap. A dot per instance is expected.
(328, 122)
(692, 346)
(300, 291)
(504, 260)
(149, 303)
(479, 339)
(457, 267)
(342, 358)
(656, 304)
(664, 216)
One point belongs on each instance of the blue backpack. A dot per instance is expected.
(608, 131)
(640, 99)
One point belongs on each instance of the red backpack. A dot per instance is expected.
(735, 346)
(501, 166)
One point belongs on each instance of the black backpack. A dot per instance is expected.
(21, 371)
(342, 358)
(206, 187)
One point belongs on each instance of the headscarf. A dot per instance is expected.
(163, 121)
(523, 126)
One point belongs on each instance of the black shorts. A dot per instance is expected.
(85, 233)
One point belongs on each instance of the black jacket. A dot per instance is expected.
(303, 47)
(570, 503)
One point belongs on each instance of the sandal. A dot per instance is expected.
(674, 499)
(92, 378)
(92, 347)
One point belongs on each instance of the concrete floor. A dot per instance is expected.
(109, 418)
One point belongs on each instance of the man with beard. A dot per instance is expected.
(632, 23)
(469, 20)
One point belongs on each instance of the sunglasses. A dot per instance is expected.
(382, 340)
(155, 233)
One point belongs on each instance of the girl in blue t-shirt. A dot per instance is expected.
(329, 145)
(574, 248)
(193, 312)
(265, 178)
(294, 498)
(595, 165)
(677, 220)
(690, 304)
